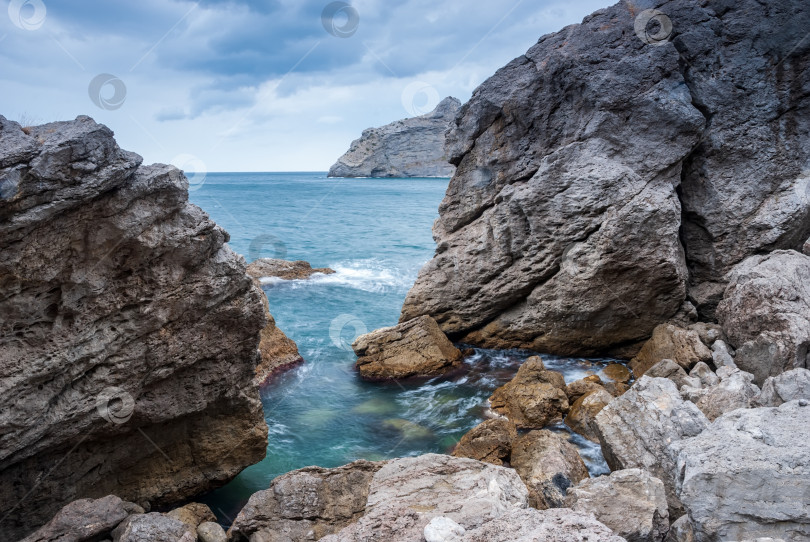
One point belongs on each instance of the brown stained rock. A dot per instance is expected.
(617, 372)
(534, 398)
(582, 415)
(490, 441)
(284, 269)
(414, 348)
(683, 346)
(548, 464)
(578, 388)
(192, 515)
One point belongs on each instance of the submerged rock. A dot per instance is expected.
(601, 177)
(490, 441)
(414, 348)
(284, 269)
(130, 330)
(306, 504)
(534, 398)
(747, 475)
(683, 346)
(766, 313)
(548, 464)
(411, 147)
(631, 502)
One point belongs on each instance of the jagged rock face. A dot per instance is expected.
(411, 147)
(110, 278)
(583, 163)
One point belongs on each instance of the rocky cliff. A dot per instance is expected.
(411, 147)
(611, 176)
(129, 335)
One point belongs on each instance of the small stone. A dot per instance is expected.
(578, 388)
(666, 368)
(617, 373)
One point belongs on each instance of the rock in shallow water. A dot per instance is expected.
(534, 398)
(490, 441)
(582, 416)
(284, 269)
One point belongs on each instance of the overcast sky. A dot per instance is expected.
(261, 85)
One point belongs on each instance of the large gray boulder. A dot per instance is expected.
(631, 502)
(788, 386)
(747, 475)
(638, 430)
(734, 390)
(308, 502)
(412, 147)
(83, 520)
(530, 525)
(599, 173)
(407, 493)
(129, 330)
(766, 313)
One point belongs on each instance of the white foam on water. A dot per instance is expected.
(369, 275)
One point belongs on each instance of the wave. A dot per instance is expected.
(369, 275)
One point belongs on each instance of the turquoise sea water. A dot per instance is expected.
(376, 233)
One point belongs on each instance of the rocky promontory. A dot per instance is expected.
(130, 331)
(412, 147)
(607, 181)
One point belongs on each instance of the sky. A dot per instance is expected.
(256, 85)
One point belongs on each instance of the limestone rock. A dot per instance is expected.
(746, 476)
(284, 269)
(82, 520)
(638, 430)
(490, 441)
(708, 333)
(680, 531)
(548, 464)
(208, 531)
(580, 162)
(411, 147)
(578, 388)
(766, 313)
(582, 416)
(734, 390)
(704, 374)
(442, 529)
(666, 368)
(683, 346)
(123, 314)
(153, 527)
(617, 372)
(192, 515)
(407, 493)
(806, 248)
(631, 502)
(554, 525)
(414, 348)
(722, 356)
(534, 398)
(309, 500)
(788, 386)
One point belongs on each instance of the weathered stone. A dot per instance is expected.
(788, 386)
(708, 333)
(746, 475)
(721, 355)
(582, 415)
(666, 368)
(617, 373)
(631, 502)
(534, 398)
(82, 520)
(705, 375)
(548, 464)
(806, 248)
(490, 441)
(411, 147)
(530, 525)
(616, 388)
(208, 531)
(442, 529)
(414, 348)
(638, 429)
(681, 531)
(683, 346)
(192, 515)
(128, 330)
(766, 313)
(284, 269)
(735, 390)
(578, 388)
(278, 352)
(153, 527)
(407, 493)
(312, 501)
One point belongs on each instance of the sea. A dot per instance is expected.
(376, 235)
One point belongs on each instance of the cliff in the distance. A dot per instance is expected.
(607, 180)
(130, 331)
(411, 147)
